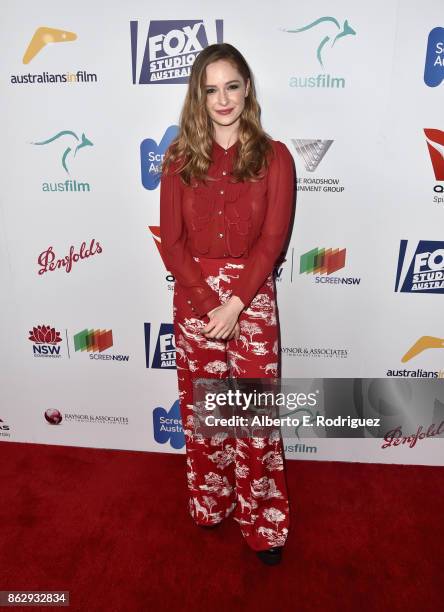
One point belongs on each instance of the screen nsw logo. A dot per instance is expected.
(170, 47)
(168, 426)
(434, 62)
(323, 263)
(151, 157)
(420, 267)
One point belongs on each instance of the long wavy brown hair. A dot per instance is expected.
(192, 147)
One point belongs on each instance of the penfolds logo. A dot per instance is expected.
(49, 262)
(395, 436)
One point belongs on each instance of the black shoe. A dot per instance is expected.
(272, 556)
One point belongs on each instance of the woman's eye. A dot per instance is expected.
(234, 86)
(210, 90)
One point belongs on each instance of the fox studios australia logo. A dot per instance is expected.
(168, 426)
(420, 267)
(312, 152)
(170, 48)
(325, 33)
(165, 352)
(435, 145)
(322, 263)
(151, 157)
(66, 144)
(434, 62)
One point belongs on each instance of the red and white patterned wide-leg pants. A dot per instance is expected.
(244, 477)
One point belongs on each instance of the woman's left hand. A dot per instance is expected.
(223, 319)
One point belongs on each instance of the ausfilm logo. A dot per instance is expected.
(420, 267)
(424, 343)
(46, 341)
(38, 52)
(55, 417)
(151, 157)
(435, 145)
(68, 146)
(170, 47)
(323, 263)
(165, 352)
(312, 152)
(324, 33)
(95, 342)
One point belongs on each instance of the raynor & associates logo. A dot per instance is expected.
(420, 267)
(435, 145)
(325, 33)
(170, 48)
(69, 144)
(38, 52)
(322, 263)
(314, 352)
(312, 152)
(55, 417)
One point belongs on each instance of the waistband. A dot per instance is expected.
(221, 260)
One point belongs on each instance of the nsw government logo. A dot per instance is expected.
(168, 426)
(151, 157)
(165, 352)
(322, 263)
(434, 62)
(325, 32)
(170, 49)
(420, 267)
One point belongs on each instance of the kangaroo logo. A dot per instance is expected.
(344, 30)
(82, 142)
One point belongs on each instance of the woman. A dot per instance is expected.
(226, 203)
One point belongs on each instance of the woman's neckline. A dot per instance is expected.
(223, 148)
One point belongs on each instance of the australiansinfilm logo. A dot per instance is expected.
(417, 353)
(151, 157)
(420, 267)
(323, 263)
(39, 50)
(435, 145)
(169, 48)
(65, 147)
(323, 36)
(312, 152)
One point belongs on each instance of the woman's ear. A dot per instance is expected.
(247, 88)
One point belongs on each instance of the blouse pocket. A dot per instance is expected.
(201, 213)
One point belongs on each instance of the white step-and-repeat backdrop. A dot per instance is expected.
(91, 98)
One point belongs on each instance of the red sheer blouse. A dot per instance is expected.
(225, 219)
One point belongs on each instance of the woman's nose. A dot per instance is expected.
(223, 97)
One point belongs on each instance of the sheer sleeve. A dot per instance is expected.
(176, 255)
(268, 246)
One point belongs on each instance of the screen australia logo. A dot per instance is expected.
(65, 147)
(325, 34)
(420, 267)
(151, 157)
(434, 62)
(168, 49)
(323, 263)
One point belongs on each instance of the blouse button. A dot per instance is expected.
(225, 152)
(219, 212)
(224, 173)
(221, 235)
(221, 192)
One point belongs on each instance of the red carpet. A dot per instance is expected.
(112, 527)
